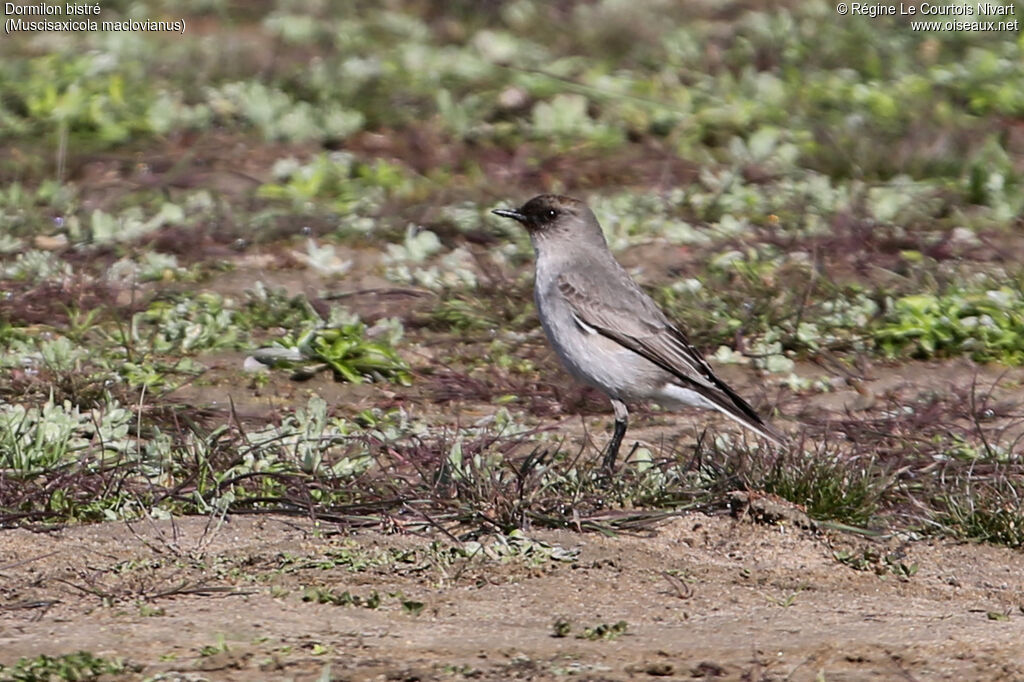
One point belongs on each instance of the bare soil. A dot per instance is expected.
(704, 597)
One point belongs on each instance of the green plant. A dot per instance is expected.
(37, 440)
(81, 665)
(324, 596)
(213, 649)
(187, 324)
(987, 325)
(84, 94)
(561, 628)
(604, 631)
(345, 349)
(266, 308)
(881, 563)
(278, 116)
(339, 181)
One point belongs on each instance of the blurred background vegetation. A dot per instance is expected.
(466, 97)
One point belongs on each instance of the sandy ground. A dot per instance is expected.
(704, 597)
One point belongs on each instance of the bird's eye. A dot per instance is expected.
(551, 214)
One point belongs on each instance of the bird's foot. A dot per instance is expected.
(608, 465)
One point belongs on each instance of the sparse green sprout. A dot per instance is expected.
(882, 564)
(604, 631)
(412, 607)
(322, 595)
(902, 570)
(355, 359)
(783, 602)
(561, 628)
(213, 649)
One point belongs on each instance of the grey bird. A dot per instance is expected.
(607, 331)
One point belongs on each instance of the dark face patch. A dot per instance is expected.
(540, 213)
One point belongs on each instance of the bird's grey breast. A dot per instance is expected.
(556, 314)
(587, 354)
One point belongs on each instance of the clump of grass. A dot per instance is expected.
(829, 482)
(459, 314)
(988, 510)
(835, 488)
(322, 595)
(475, 475)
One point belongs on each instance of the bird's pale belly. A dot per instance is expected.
(597, 360)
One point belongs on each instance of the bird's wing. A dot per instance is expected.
(634, 321)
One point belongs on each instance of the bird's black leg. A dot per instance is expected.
(621, 421)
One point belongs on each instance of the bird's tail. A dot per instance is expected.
(726, 401)
(759, 427)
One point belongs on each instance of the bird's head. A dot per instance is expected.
(551, 214)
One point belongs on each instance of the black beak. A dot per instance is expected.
(506, 213)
